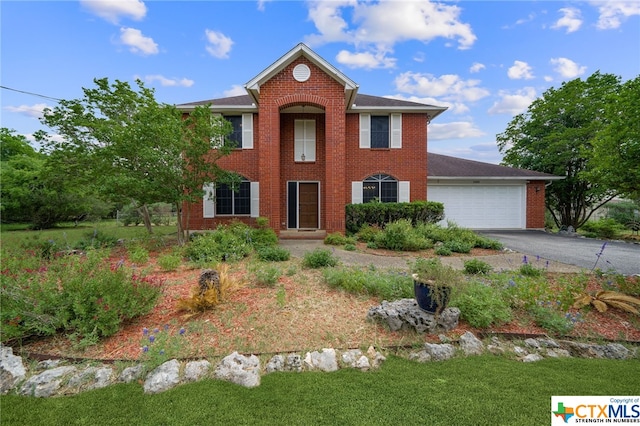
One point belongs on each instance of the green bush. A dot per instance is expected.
(85, 297)
(604, 228)
(350, 247)
(263, 237)
(482, 306)
(442, 250)
(528, 270)
(551, 319)
(476, 266)
(224, 244)
(265, 275)
(625, 212)
(458, 246)
(319, 258)
(138, 255)
(337, 239)
(95, 240)
(400, 236)
(368, 233)
(379, 214)
(382, 284)
(273, 254)
(169, 262)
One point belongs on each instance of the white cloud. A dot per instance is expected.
(219, 45)
(612, 13)
(137, 42)
(236, 90)
(34, 111)
(567, 68)
(261, 4)
(449, 87)
(376, 27)
(520, 21)
(367, 60)
(477, 67)
(571, 20)
(454, 130)
(520, 70)
(170, 82)
(113, 10)
(513, 103)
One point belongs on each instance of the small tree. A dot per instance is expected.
(135, 149)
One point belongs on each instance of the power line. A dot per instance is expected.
(30, 93)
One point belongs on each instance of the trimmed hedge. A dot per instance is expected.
(379, 214)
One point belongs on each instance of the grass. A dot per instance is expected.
(483, 390)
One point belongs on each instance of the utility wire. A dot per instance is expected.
(30, 93)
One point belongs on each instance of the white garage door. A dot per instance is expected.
(482, 206)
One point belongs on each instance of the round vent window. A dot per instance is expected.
(301, 72)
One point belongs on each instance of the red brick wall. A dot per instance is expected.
(535, 204)
(406, 164)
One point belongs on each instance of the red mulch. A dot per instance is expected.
(293, 316)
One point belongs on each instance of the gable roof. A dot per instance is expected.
(253, 86)
(446, 167)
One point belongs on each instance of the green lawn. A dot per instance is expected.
(484, 390)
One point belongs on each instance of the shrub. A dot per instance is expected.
(138, 255)
(224, 244)
(528, 270)
(207, 294)
(169, 262)
(368, 233)
(319, 258)
(400, 236)
(482, 306)
(476, 266)
(262, 237)
(385, 285)
(551, 319)
(458, 246)
(273, 254)
(337, 239)
(350, 247)
(379, 214)
(85, 297)
(488, 243)
(96, 239)
(442, 250)
(604, 228)
(266, 275)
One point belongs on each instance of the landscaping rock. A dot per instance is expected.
(276, 363)
(532, 358)
(405, 314)
(12, 369)
(45, 384)
(239, 369)
(130, 374)
(470, 344)
(323, 361)
(375, 357)
(163, 378)
(294, 363)
(196, 370)
(434, 352)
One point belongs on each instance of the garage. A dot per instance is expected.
(481, 195)
(482, 206)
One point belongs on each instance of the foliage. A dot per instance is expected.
(482, 305)
(96, 239)
(528, 270)
(273, 254)
(551, 319)
(624, 212)
(442, 250)
(603, 299)
(606, 228)
(557, 135)
(223, 244)
(386, 285)
(121, 141)
(83, 296)
(616, 149)
(432, 271)
(265, 274)
(138, 254)
(160, 344)
(169, 261)
(337, 239)
(379, 214)
(203, 299)
(368, 233)
(319, 258)
(400, 236)
(476, 266)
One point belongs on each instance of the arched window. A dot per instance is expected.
(381, 187)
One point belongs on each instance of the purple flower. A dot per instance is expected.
(145, 331)
(156, 330)
(145, 348)
(182, 331)
(152, 338)
(524, 259)
(161, 351)
(166, 327)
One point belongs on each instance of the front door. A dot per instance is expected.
(303, 205)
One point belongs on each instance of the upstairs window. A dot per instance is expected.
(236, 134)
(241, 135)
(380, 131)
(304, 140)
(383, 188)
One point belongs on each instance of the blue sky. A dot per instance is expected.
(485, 60)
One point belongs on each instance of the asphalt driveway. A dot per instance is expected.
(624, 258)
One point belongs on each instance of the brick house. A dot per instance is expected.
(309, 144)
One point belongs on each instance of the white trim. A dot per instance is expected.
(255, 198)
(208, 200)
(247, 131)
(365, 130)
(404, 194)
(356, 192)
(395, 131)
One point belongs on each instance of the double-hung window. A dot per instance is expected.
(221, 199)
(380, 131)
(241, 135)
(305, 140)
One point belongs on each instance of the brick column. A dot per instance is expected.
(269, 164)
(335, 171)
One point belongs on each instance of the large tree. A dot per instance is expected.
(556, 135)
(135, 149)
(616, 149)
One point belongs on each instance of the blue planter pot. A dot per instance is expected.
(430, 299)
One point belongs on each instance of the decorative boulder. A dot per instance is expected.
(239, 369)
(405, 314)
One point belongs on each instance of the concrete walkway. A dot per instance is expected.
(503, 260)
